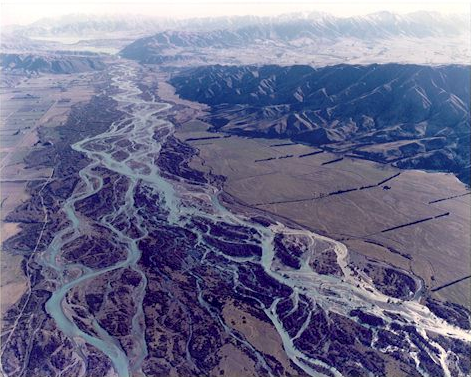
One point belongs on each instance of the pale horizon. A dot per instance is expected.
(26, 12)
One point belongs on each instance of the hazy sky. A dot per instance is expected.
(27, 11)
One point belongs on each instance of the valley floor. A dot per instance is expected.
(410, 219)
(157, 248)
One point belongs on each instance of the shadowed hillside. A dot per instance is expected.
(412, 116)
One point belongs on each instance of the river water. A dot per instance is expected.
(142, 119)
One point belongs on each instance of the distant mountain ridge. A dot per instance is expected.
(413, 116)
(298, 38)
(417, 23)
(82, 24)
(51, 63)
(380, 25)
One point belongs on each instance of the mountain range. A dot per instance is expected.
(299, 32)
(298, 38)
(410, 115)
(320, 24)
(89, 25)
(66, 62)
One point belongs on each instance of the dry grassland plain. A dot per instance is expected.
(400, 217)
(36, 101)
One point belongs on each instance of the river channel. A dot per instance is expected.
(142, 119)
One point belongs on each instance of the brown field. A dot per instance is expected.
(36, 101)
(260, 334)
(233, 363)
(13, 282)
(298, 189)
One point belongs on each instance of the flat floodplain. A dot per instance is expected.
(191, 254)
(406, 218)
(37, 101)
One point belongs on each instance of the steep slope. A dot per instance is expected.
(413, 116)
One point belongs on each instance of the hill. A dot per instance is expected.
(410, 115)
